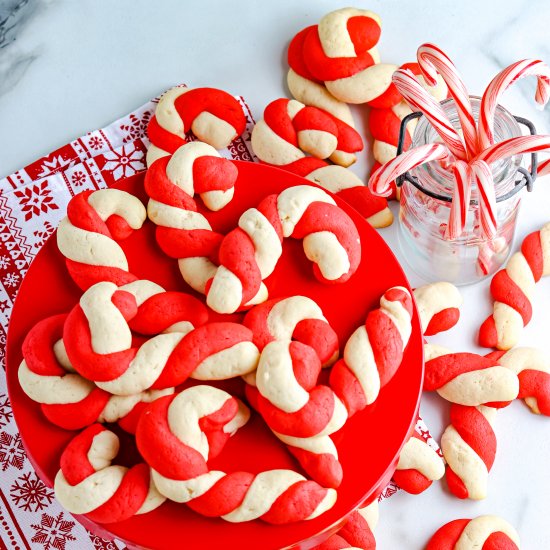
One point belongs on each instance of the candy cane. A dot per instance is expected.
(380, 182)
(486, 196)
(88, 236)
(543, 168)
(88, 484)
(420, 100)
(460, 204)
(499, 84)
(514, 146)
(472, 534)
(432, 59)
(176, 436)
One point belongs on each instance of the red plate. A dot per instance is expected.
(368, 445)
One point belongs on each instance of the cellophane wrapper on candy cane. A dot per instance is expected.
(32, 202)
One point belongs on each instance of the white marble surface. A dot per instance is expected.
(68, 67)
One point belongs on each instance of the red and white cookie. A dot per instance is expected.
(67, 399)
(99, 345)
(374, 351)
(88, 484)
(469, 446)
(214, 116)
(249, 253)
(438, 306)
(301, 413)
(295, 318)
(88, 236)
(418, 466)
(533, 369)
(481, 533)
(177, 435)
(468, 378)
(512, 290)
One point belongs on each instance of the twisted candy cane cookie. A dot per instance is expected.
(418, 466)
(214, 116)
(512, 289)
(67, 399)
(533, 369)
(300, 412)
(176, 435)
(374, 351)
(469, 446)
(468, 378)
(88, 484)
(88, 236)
(438, 306)
(295, 318)
(481, 533)
(249, 253)
(98, 341)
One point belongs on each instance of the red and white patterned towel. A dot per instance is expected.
(32, 202)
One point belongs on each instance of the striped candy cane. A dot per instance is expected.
(514, 146)
(499, 84)
(433, 60)
(486, 198)
(420, 100)
(463, 173)
(543, 168)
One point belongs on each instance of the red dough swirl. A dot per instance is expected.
(88, 236)
(250, 253)
(374, 351)
(99, 345)
(178, 434)
(438, 306)
(88, 484)
(481, 533)
(214, 116)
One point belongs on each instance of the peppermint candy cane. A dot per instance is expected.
(294, 318)
(463, 174)
(347, 186)
(433, 60)
(472, 534)
(543, 168)
(249, 254)
(512, 290)
(514, 146)
(469, 446)
(533, 369)
(420, 100)
(176, 436)
(486, 198)
(290, 129)
(418, 466)
(67, 399)
(438, 305)
(381, 181)
(214, 116)
(98, 341)
(88, 484)
(88, 236)
(374, 351)
(468, 378)
(300, 412)
(499, 84)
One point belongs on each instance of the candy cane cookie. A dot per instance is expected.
(249, 253)
(294, 318)
(418, 466)
(98, 341)
(175, 436)
(533, 369)
(88, 236)
(438, 306)
(67, 399)
(469, 446)
(483, 532)
(88, 484)
(374, 351)
(468, 378)
(512, 290)
(214, 116)
(300, 412)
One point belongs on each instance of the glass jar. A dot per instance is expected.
(422, 219)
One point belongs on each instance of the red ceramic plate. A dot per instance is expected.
(368, 445)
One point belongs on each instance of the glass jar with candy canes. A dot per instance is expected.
(462, 179)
